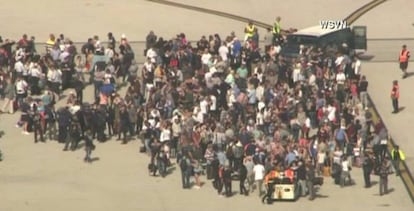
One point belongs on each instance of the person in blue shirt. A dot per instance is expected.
(290, 157)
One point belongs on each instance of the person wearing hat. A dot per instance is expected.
(395, 95)
(403, 59)
(397, 155)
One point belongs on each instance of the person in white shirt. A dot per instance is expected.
(20, 54)
(165, 135)
(223, 51)
(55, 78)
(345, 173)
(204, 106)
(109, 51)
(19, 68)
(205, 58)
(259, 173)
(64, 56)
(179, 75)
(35, 75)
(312, 79)
(339, 60)
(213, 106)
(340, 77)
(331, 113)
(260, 91)
(296, 72)
(321, 161)
(21, 86)
(260, 120)
(152, 54)
(340, 82)
(155, 113)
(21, 90)
(277, 48)
(148, 65)
(198, 115)
(208, 79)
(357, 67)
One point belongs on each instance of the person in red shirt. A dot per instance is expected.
(354, 93)
(395, 95)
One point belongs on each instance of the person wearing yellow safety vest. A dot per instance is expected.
(397, 156)
(403, 59)
(277, 30)
(249, 30)
(50, 43)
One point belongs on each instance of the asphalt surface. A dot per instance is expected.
(43, 177)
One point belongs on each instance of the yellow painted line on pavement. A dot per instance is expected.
(362, 10)
(212, 12)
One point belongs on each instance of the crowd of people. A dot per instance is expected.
(220, 106)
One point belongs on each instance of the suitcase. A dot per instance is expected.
(318, 181)
(15, 105)
(326, 171)
(209, 170)
(142, 149)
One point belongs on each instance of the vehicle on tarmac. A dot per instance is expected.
(283, 188)
(355, 38)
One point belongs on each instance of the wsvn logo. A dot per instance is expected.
(331, 24)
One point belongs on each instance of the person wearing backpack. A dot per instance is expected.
(242, 179)
(238, 152)
(341, 137)
(230, 154)
(227, 180)
(185, 167)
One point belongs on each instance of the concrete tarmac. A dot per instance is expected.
(39, 177)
